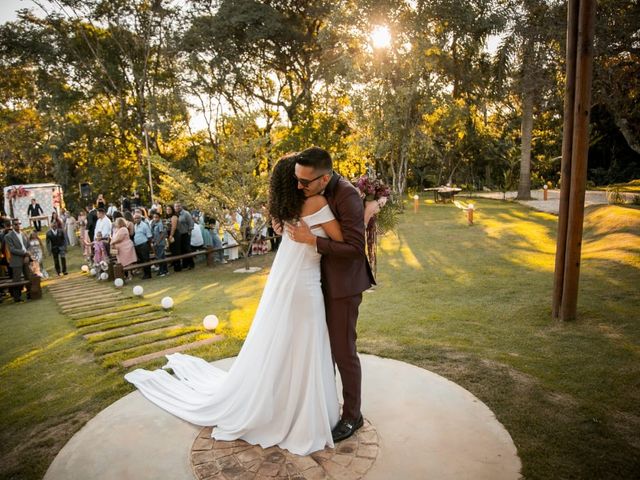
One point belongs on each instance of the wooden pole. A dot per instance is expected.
(567, 138)
(582, 109)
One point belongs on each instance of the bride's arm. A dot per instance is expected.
(332, 228)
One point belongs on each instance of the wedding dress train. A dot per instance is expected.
(281, 388)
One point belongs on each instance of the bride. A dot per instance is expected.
(281, 388)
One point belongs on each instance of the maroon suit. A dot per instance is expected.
(345, 275)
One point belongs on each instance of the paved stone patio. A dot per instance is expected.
(426, 427)
(218, 460)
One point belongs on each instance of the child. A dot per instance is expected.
(100, 253)
(36, 250)
(159, 232)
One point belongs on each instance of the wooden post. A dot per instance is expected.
(567, 140)
(111, 272)
(416, 199)
(580, 30)
(118, 271)
(35, 289)
(210, 261)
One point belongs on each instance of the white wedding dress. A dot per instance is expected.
(281, 388)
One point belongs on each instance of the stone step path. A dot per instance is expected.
(122, 330)
(180, 348)
(103, 335)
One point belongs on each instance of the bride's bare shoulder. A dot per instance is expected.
(313, 204)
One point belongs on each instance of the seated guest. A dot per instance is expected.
(141, 238)
(57, 246)
(122, 244)
(17, 245)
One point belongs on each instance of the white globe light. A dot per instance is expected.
(210, 322)
(85, 268)
(167, 303)
(118, 282)
(93, 271)
(138, 290)
(104, 276)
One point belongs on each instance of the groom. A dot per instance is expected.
(345, 273)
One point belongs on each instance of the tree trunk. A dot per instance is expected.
(524, 186)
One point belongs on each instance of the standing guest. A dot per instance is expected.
(35, 210)
(141, 239)
(103, 225)
(128, 217)
(259, 232)
(135, 201)
(214, 227)
(100, 249)
(36, 251)
(5, 227)
(100, 203)
(125, 204)
(57, 246)
(196, 240)
(70, 226)
(174, 244)
(85, 242)
(111, 210)
(185, 226)
(232, 227)
(92, 219)
(55, 220)
(121, 242)
(206, 234)
(17, 244)
(159, 232)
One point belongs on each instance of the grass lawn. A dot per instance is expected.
(469, 303)
(631, 186)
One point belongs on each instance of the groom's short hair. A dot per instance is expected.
(315, 157)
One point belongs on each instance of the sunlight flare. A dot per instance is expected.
(381, 37)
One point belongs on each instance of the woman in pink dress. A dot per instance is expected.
(125, 250)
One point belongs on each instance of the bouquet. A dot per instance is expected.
(375, 194)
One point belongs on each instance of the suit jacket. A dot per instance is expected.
(56, 241)
(34, 210)
(15, 248)
(344, 266)
(92, 219)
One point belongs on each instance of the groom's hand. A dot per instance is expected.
(301, 233)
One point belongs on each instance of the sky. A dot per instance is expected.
(8, 9)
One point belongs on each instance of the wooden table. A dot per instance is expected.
(42, 218)
(443, 194)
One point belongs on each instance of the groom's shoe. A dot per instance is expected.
(345, 428)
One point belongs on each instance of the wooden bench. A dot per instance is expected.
(35, 290)
(118, 271)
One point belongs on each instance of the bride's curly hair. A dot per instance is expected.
(285, 199)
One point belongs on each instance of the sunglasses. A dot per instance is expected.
(305, 183)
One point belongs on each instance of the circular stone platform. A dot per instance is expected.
(217, 460)
(427, 427)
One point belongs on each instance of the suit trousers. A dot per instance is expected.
(142, 251)
(16, 274)
(59, 257)
(185, 247)
(342, 317)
